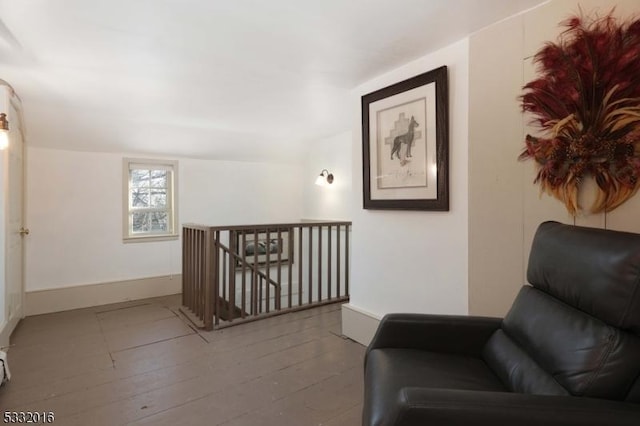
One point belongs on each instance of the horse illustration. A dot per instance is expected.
(406, 138)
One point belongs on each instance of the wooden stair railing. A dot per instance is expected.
(236, 274)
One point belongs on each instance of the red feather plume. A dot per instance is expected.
(587, 102)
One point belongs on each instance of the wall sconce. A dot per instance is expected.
(324, 178)
(4, 131)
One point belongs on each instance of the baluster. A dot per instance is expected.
(198, 268)
(338, 261)
(186, 259)
(192, 272)
(256, 284)
(197, 262)
(300, 265)
(192, 266)
(329, 262)
(224, 301)
(215, 279)
(232, 274)
(310, 264)
(290, 265)
(203, 273)
(319, 263)
(278, 288)
(267, 244)
(185, 275)
(244, 274)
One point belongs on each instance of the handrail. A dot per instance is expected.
(304, 224)
(239, 273)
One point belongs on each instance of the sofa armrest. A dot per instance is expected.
(437, 333)
(435, 407)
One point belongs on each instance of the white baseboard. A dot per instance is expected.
(84, 296)
(4, 335)
(358, 324)
(5, 331)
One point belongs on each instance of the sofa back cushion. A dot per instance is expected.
(582, 354)
(634, 393)
(518, 371)
(576, 329)
(595, 270)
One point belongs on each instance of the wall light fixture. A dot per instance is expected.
(324, 178)
(4, 131)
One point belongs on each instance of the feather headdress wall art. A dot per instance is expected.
(586, 102)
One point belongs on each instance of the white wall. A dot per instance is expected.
(75, 213)
(329, 202)
(470, 259)
(3, 195)
(496, 259)
(4, 107)
(404, 261)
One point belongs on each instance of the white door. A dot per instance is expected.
(15, 220)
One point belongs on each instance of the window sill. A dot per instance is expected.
(150, 238)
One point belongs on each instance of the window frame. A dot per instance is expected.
(172, 200)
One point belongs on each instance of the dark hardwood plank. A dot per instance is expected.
(143, 363)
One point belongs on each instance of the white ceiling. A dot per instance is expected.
(224, 79)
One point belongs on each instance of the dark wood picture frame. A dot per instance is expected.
(423, 93)
(286, 250)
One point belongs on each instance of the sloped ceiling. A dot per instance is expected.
(225, 79)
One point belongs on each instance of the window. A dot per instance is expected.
(150, 199)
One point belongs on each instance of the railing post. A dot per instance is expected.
(209, 284)
(185, 287)
(346, 260)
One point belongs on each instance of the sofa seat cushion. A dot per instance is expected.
(389, 370)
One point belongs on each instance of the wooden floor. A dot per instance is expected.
(143, 363)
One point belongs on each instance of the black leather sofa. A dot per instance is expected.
(567, 353)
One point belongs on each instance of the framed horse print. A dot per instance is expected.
(405, 144)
